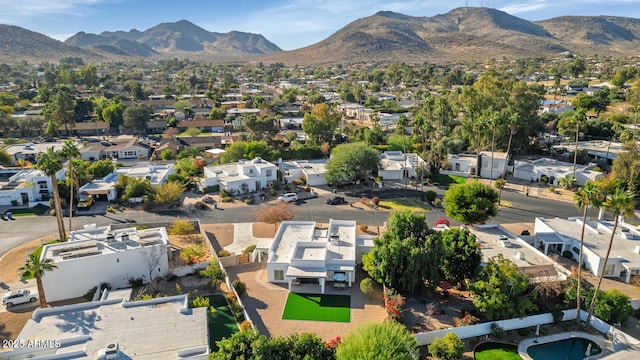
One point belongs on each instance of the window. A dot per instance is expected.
(130, 153)
(608, 269)
(250, 171)
(268, 172)
(278, 274)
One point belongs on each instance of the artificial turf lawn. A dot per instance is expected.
(496, 351)
(316, 307)
(222, 323)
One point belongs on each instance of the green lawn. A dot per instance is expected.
(315, 307)
(36, 210)
(496, 351)
(445, 180)
(222, 324)
(404, 204)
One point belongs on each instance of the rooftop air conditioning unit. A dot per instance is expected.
(637, 249)
(111, 351)
(111, 237)
(519, 255)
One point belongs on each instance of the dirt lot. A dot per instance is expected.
(14, 259)
(11, 323)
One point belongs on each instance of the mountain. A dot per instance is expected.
(17, 43)
(466, 34)
(181, 37)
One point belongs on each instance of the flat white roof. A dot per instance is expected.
(491, 246)
(161, 328)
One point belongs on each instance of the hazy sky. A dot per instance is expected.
(290, 24)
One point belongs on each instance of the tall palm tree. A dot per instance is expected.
(513, 122)
(49, 163)
(403, 122)
(589, 195)
(70, 151)
(621, 202)
(636, 110)
(580, 117)
(494, 122)
(37, 267)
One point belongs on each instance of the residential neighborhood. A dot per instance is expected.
(187, 209)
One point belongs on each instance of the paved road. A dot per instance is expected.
(523, 209)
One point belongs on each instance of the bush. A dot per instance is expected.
(249, 249)
(225, 193)
(552, 189)
(364, 228)
(241, 288)
(231, 297)
(192, 254)
(136, 282)
(210, 189)
(224, 253)
(245, 325)
(89, 295)
(214, 273)
(201, 205)
(199, 302)
(181, 227)
(430, 195)
(448, 348)
(367, 286)
(523, 331)
(466, 320)
(298, 182)
(226, 199)
(497, 330)
(437, 203)
(567, 254)
(250, 200)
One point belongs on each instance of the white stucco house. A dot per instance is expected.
(461, 165)
(559, 235)
(29, 151)
(554, 170)
(307, 257)
(256, 174)
(27, 187)
(393, 165)
(313, 171)
(467, 165)
(97, 255)
(115, 328)
(499, 168)
(106, 187)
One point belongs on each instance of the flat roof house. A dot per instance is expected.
(559, 235)
(393, 165)
(554, 170)
(161, 328)
(27, 187)
(248, 175)
(307, 257)
(314, 171)
(106, 187)
(97, 255)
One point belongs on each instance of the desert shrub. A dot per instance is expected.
(241, 288)
(237, 310)
(224, 253)
(367, 286)
(181, 227)
(552, 189)
(214, 273)
(430, 195)
(250, 200)
(364, 227)
(497, 330)
(249, 249)
(298, 182)
(375, 200)
(245, 325)
(201, 205)
(199, 302)
(225, 193)
(192, 254)
(364, 201)
(466, 320)
(437, 202)
(226, 199)
(231, 297)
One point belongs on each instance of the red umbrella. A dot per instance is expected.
(442, 221)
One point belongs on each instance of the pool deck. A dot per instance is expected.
(524, 344)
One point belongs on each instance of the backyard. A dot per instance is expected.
(222, 324)
(317, 307)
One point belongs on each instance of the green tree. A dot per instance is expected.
(190, 152)
(137, 116)
(620, 202)
(113, 112)
(5, 158)
(70, 152)
(626, 166)
(350, 162)
(100, 168)
(234, 152)
(49, 163)
(296, 346)
(462, 255)
(60, 110)
(321, 123)
(448, 348)
(241, 345)
(387, 340)
(261, 127)
(37, 267)
(471, 203)
(589, 195)
(502, 290)
(613, 306)
(406, 255)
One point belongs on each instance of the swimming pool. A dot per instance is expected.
(575, 348)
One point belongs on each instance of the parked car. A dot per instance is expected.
(19, 297)
(288, 197)
(336, 200)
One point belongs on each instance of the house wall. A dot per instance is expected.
(315, 179)
(391, 174)
(73, 278)
(95, 155)
(272, 267)
(7, 196)
(498, 168)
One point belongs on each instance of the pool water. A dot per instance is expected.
(567, 349)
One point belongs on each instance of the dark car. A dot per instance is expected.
(336, 200)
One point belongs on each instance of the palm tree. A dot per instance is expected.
(580, 117)
(70, 151)
(589, 195)
(621, 202)
(403, 122)
(494, 121)
(635, 109)
(49, 163)
(512, 123)
(36, 267)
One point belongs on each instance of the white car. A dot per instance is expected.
(19, 297)
(288, 197)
